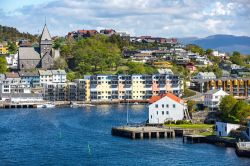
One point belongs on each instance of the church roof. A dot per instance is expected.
(45, 33)
(28, 53)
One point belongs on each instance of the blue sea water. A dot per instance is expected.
(82, 136)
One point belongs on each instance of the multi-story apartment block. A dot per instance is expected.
(71, 91)
(52, 76)
(58, 76)
(46, 76)
(12, 83)
(238, 87)
(55, 91)
(30, 77)
(132, 87)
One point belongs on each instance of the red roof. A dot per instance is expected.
(87, 31)
(169, 95)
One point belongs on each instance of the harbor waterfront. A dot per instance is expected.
(82, 136)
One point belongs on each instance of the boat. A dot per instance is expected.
(75, 105)
(47, 105)
(243, 149)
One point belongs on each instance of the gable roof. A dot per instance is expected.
(169, 95)
(11, 75)
(58, 72)
(24, 73)
(29, 53)
(45, 33)
(45, 72)
(213, 91)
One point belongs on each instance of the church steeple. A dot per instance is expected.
(45, 34)
(45, 42)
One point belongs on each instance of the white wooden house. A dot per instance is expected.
(166, 107)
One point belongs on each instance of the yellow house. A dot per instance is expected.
(4, 48)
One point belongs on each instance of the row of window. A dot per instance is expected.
(162, 113)
(163, 106)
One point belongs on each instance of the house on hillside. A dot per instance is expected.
(191, 67)
(107, 32)
(166, 107)
(224, 129)
(205, 75)
(213, 97)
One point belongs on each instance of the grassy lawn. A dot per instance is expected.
(190, 126)
(208, 133)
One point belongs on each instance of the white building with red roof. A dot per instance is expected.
(166, 107)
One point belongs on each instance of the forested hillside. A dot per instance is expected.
(12, 34)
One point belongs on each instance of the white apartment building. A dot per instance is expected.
(58, 76)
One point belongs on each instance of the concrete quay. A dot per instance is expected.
(142, 132)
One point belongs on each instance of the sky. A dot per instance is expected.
(158, 18)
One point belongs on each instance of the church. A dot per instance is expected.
(38, 57)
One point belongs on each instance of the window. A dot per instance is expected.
(162, 105)
(167, 112)
(162, 112)
(167, 105)
(157, 112)
(173, 105)
(156, 105)
(151, 116)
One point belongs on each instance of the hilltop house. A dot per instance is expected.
(37, 57)
(166, 107)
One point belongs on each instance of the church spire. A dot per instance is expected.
(45, 34)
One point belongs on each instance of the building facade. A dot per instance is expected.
(133, 87)
(212, 98)
(238, 87)
(37, 57)
(12, 83)
(166, 107)
(224, 129)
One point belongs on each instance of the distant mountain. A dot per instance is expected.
(187, 40)
(225, 43)
(12, 34)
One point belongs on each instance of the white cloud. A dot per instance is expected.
(139, 17)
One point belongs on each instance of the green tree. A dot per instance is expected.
(237, 58)
(58, 42)
(240, 111)
(209, 51)
(71, 76)
(12, 47)
(191, 105)
(95, 55)
(226, 106)
(3, 65)
(60, 63)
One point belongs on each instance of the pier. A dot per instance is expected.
(193, 138)
(16, 105)
(143, 132)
